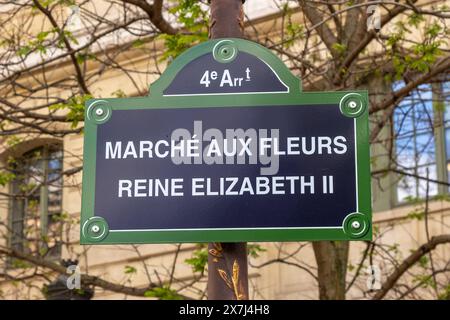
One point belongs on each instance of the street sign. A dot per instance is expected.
(226, 147)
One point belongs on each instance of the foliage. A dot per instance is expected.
(45, 39)
(420, 56)
(130, 270)
(424, 280)
(445, 294)
(119, 94)
(178, 43)
(293, 29)
(424, 261)
(254, 250)
(85, 56)
(6, 177)
(74, 107)
(13, 141)
(163, 293)
(340, 48)
(194, 23)
(20, 264)
(199, 259)
(416, 214)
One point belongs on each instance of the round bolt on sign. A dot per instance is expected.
(95, 229)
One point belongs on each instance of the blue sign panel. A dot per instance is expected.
(247, 167)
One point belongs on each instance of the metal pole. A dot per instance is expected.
(227, 262)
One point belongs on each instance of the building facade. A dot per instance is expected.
(410, 198)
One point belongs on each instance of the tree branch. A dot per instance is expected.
(369, 36)
(55, 25)
(154, 12)
(443, 65)
(85, 279)
(323, 30)
(408, 263)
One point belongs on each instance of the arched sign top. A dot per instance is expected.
(223, 67)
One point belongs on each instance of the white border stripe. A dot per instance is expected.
(223, 94)
(268, 228)
(225, 229)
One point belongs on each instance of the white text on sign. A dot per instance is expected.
(226, 79)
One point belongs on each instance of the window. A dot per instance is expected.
(415, 144)
(36, 204)
(446, 106)
(418, 120)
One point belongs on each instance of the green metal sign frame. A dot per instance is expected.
(354, 104)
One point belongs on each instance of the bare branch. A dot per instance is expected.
(154, 12)
(412, 259)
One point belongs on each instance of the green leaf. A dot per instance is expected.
(198, 260)
(416, 215)
(70, 37)
(163, 293)
(119, 93)
(178, 43)
(42, 35)
(445, 295)
(442, 196)
(43, 251)
(424, 281)
(340, 48)
(393, 247)
(433, 30)
(20, 264)
(6, 177)
(293, 29)
(130, 269)
(193, 20)
(13, 141)
(189, 13)
(23, 51)
(138, 43)
(75, 107)
(415, 19)
(254, 250)
(423, 261)
(83, 57)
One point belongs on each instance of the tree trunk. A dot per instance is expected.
(227, 271)
(227, 262)
(227, 19)
(331, 258)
